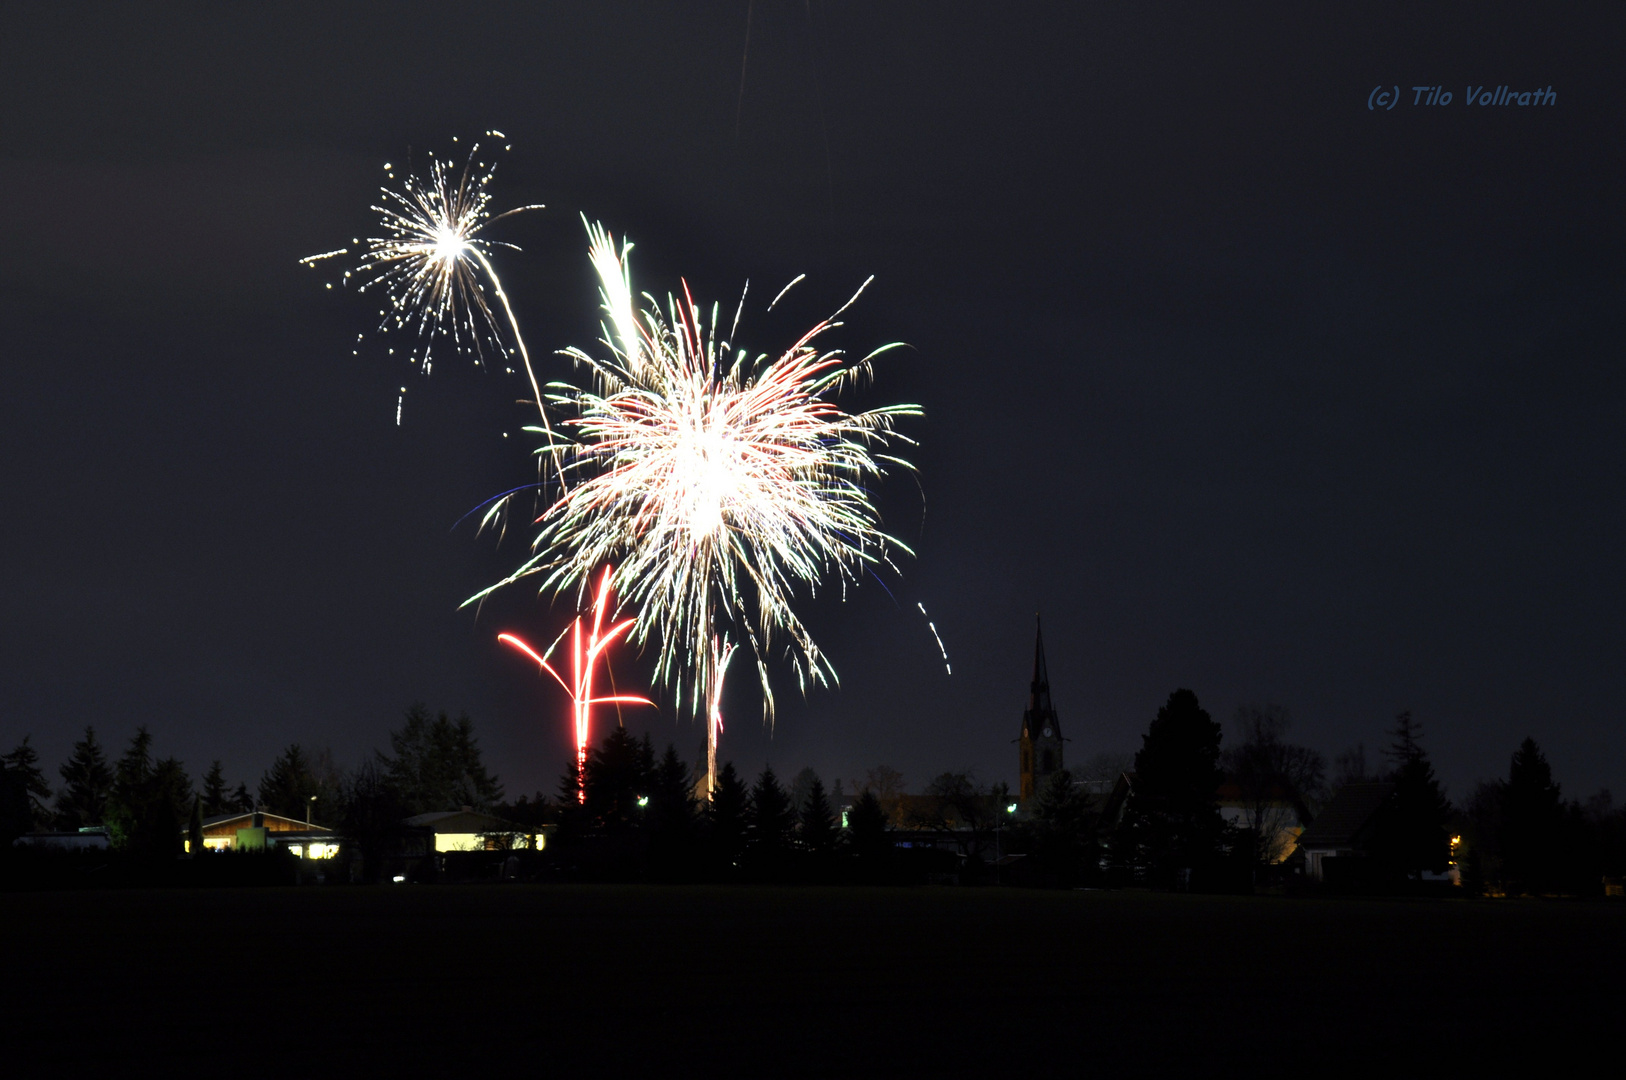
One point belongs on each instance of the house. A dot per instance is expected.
(1344, 828)
(469, 830)
(90, 838)
(1275, 811)
(1107, 799)
(259, 831)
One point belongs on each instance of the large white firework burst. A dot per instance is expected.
(719, 484)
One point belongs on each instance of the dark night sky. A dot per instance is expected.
(1249, 388)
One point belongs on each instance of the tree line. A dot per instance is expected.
(1511, 837)
(636, 815)
(639, 815)
(146, 803)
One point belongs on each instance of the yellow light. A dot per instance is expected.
(459, 842)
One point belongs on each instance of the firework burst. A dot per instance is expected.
(720, 484)
(434, 266)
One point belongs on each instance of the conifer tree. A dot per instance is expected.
(194, 827)
(866, 827)
(1173, 820)
(672, 797)
(287, 787)
(15, 819)
(726, 818)
(671, 817)
(24, 764)
(770, 821)
(127, 804)
(216, 800)
(87, 781)
(617, 776)
(241, 801)
(148, 802)
(1532, 823)
(1410, 833)
(817, 827)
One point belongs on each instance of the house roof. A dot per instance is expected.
(228, 824)
(1343, 820)
(462, 821)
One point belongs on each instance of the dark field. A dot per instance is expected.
(644, 982)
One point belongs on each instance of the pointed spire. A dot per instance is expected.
(1039, 693)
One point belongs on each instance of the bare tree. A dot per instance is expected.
(958, 803)
(1350, 767)
(1278, 780)
(1106, 765)
(801, 786)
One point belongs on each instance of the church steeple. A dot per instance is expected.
(1041, 741)
(1039, 692)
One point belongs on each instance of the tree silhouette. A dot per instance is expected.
(289, 785)
(817, 824)
(1173, 822)
(370, 819)
(24, 764)
(800, 785)
(194, 827)
(216, 799)
(619, 772)
(148, 802)
(435, 764)
(770, 823)
(87, 781)
(1275, 779)
(1410, 835)
(1532, 823)
(14, 811)
(726, 819)
(671, 817)
(1062, 836)
(1350, 767)
(241, 801)
(866, 828)
(885, 781)
(957, 802)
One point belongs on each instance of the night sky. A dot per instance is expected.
(1248, 387)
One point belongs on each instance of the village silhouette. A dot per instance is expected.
(608, 923)
(1191, 811)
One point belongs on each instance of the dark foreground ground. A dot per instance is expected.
(630, 981)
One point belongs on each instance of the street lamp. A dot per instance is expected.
(308, 803)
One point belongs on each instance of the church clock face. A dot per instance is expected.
(1047, 731)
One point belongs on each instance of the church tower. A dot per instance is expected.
(1040, 741)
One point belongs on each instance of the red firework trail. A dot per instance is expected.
(582, 662)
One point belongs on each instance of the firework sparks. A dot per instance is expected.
(938, 637)
(719, 484)
(432, 258)
(583, 659)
